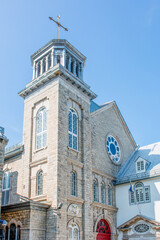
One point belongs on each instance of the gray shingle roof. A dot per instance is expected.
(150, 153)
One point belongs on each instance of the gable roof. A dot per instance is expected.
(150, 153)
(112, 104)
(125, 226)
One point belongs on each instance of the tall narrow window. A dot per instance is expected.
(40, 183)
(38, 69)
(73, 129)
(67, 62)
(44, 65)
(73, 183)
(103, 193)
(95, 191)
(49, 61)
(73, 232)
(12, 231)
(41, 128)
(110, 195)
(5, 188)
(72, 66)
(18, 233)
(139, 193)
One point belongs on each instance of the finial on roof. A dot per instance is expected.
(58, 24)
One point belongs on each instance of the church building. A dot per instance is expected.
(78, 175)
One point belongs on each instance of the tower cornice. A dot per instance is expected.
(57, 70)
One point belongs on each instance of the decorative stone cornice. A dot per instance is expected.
(55, 43)
(105, 206)
(57, 70)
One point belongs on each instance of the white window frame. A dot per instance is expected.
(139, 168)
(43, 133)
(72, 227)
(140, 190)
(7, 189)
(73, 112)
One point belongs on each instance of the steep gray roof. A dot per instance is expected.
(150, 153)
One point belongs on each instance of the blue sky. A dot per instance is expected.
(120, 40)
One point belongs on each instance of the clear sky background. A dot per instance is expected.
(120, 38)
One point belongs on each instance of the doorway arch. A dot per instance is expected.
(103, 230)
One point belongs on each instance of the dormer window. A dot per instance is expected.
(140, 165)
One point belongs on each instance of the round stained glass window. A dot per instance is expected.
(113, 149)
(141, 228)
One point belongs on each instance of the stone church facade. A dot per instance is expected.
(62, 178)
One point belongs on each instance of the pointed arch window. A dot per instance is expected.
(95, 191)
(40, 183)
(110, 195)
(73, 232)
(41, 128)
(6, 188)
(103, 193)
(73, 129)
(73, 183)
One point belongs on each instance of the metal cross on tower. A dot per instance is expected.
(59, 25)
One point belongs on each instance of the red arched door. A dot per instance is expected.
(103, 230)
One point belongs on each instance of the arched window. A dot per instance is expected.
(110, 195)
(40, 183)
(73, 129)
(73, 183)
(5, 188)
(73, 232)
(95, 191)
(18, 233)
(140, 194)
(103, 193)
(41, 128)
(12, 231)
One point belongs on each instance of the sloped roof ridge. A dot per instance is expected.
(127, 163)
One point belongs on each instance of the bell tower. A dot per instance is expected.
(56, 119)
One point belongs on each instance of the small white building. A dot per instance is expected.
(138, 195)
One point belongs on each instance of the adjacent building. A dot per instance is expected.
(69, 177)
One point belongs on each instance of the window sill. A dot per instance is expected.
(39, 198)
(40, 149)
(72, 149)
